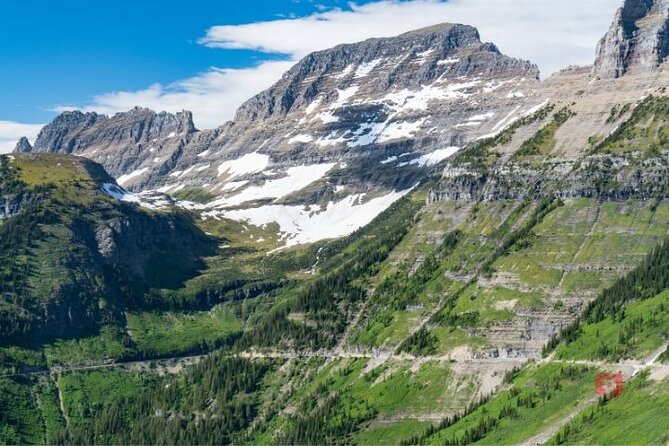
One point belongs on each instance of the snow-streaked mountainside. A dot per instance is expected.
(339, 138)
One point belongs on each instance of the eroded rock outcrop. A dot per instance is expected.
(121, 143)
(638, 40)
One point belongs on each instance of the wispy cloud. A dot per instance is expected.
(552, 34)
(212, 96)
(11, 132)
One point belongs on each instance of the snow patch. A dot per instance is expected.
(247, 164)
(476, 120)
(502, 125)
(327, 117)
(123, 179)
(422, 57)
(420, 99)
(234, 185)
(348, 70)
(301, 225)
(148, 200)
(331, 140)
(297, 178)
(433, 158)
(400, 130)
(343, 96)
(535, 109)
(365, 68)
(301, 138)
(448, 61)
(313, 106)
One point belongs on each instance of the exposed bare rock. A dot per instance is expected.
(121, 143)
(23, 145)
(637, 41)
(343, 127)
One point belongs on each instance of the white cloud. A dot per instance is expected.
(212, 96)
(553, 34)
(11, 132)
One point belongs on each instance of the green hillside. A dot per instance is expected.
(444, 321)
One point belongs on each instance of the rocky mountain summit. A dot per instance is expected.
(347, 130)
(638, 39)
(121, 142)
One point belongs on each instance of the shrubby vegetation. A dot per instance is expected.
(646, 281)
(212, 404)
(646, 131)
(322, 303)
(543, 142)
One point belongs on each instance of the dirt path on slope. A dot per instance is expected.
(636, 368)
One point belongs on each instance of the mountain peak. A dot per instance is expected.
(23, 145)
(638, 39)
(407, 61)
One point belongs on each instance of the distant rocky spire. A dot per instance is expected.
(23, 145)
(638, 40)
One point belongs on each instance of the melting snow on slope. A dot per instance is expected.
(366, 134)
(536, 108)
(344, 96)
(327, 117)
(448, 61)
(365, 68)
(149, 202)
(307, 225)
(247, 164)
(383, 132)
(301, 138)
(234, 185)
(348, 70)
(421, 58)
(313, 106)
(515, 94)
(297, 178)
(123, 179)
(420, 99)
(432, 158)
(476, 120)
(399, 130)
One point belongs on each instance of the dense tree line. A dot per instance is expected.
(17, 235)
(211, 404)
(403, 287)
(325, 300)
(330, 420)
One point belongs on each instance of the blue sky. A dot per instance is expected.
(66, 51)
(209, 56)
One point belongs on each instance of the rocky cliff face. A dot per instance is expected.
(121, 142)
(601, 150)
(637, 41)
(410, 61)
(343, 128)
